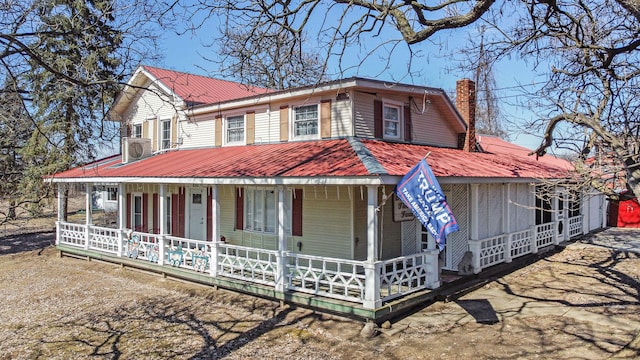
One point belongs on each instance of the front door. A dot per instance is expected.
(197, 212)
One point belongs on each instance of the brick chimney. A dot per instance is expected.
(466, 104)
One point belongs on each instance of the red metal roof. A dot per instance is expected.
(398, 159)
(196, 89)
(323, 158)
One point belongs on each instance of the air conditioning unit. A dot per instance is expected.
(135, 149)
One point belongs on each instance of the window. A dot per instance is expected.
(305, 121)
(235, 129)
(165, 134)
(112, 194)
(137, 131)
(391, 121)
(261, 211)
(575, 201)
(543, 204)
(137, 212)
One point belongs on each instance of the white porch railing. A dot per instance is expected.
(575, 226)
(329, 277)
(506, 247)
(72, 234)
(187, 253)
(407, 274)
(251, 264)
(335, 278)
(104, 239)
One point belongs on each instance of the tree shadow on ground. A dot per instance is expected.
(168, 328)
(14, 244)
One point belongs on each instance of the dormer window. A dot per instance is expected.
(306, 122)
(391, 121)
(235, 133)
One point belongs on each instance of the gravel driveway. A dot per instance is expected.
(63, 308)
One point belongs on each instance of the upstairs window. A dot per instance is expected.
(137, 131)
(235, 129)
(165, 134)
(391, 121)
(306, 122)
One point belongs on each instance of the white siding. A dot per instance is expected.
(267, 126)
(149, 104)
(197, 133)
(431, 128)
(363, 114)
(341, 119)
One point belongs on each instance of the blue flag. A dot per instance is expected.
(420, 191)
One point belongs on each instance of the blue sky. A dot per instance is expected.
(185, 53)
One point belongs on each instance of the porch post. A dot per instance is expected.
(506, 220)
(473, 231)
(162, 216)
(281, 280)
(559, 216)
(585, 211)
(60, 210)
(371, 266)
(122, 216)
(88, 206)
(215, 230)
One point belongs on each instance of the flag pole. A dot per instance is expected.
(426, 156)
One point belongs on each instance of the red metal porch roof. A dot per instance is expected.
(324, 158)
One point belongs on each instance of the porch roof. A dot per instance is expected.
(351, 158)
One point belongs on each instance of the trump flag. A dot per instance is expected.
(420, 191)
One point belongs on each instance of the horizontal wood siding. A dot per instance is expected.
(267, 126)
(341, 119)
(227, 199)
(148, 104)
(360, 223)
(363, 114)
(326, 223)
(198, 133)
(431, 128)
(391, 238)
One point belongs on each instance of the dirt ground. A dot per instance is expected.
(64, 308)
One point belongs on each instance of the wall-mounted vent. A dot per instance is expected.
(135, 149)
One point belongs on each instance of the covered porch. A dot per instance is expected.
(360, 286)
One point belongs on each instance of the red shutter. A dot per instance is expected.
(156, 223)
(296, 213)
(145, 213)
(128, 216)
(174, 214)
(181, 209)
(239, 209)
(209, 215)
(407, 123)
(377, 119)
